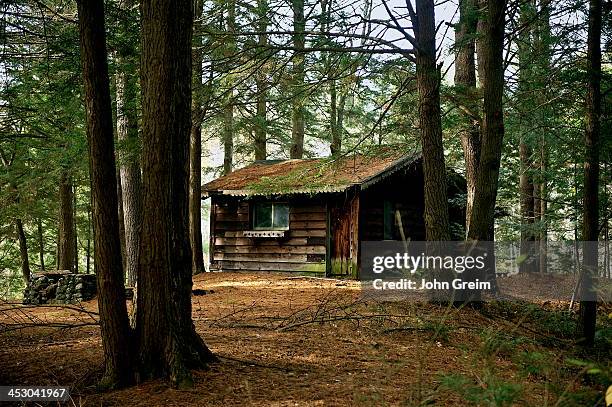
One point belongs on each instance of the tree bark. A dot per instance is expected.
(526, 208)
(465, 83)
(107, 253)
(65, 249)
(168, 342)
(428, 84)
(23, 251)
(590, 219)
(491, 66)
(298, 75)
(195, 148)
(121, 221)
(228, 110)
(527, 169)
(543, 47)
(261, 120)
(129, 159)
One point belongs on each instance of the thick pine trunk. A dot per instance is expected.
(590, 219)
(298, 75)
(491, 66)
(65, 240)
(195, 148)
(168, 342)
(428, 84)
(23, 251)
(107, 253)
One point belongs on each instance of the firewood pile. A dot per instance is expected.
(59, 288)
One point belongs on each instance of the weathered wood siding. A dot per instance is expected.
(344, 220)
(303, 249)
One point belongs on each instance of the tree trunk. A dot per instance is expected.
(76, 233)
(261, 120)
(491, 65)
(590, 220)
(107, 253)
(465, 83)
(88, 254)
(195, 148)
(543, 237)
(129, 160)
(121, 221)
(228, 110)
(526, 208)
(168, 342)
(23, 251)
(298, 75)
(41, 244)
(428, 84)
(333, 116)
(65, 249)
(543, 47)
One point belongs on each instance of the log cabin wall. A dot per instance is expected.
(302, 249)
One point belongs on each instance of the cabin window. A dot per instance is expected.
(271, 216)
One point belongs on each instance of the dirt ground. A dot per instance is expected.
(298, 341)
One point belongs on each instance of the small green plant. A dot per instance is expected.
(490, 391)
(534, 363)
(497, 343)
(439, 329)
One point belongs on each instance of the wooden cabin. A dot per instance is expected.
(310, 215)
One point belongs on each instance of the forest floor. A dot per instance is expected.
(292, 341)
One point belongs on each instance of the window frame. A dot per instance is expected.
(273, 204)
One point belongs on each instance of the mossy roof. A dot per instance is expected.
(312, 176)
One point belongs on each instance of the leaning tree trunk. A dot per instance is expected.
(65, 240)
(107, 253)
(428, 84)
(195, 147)
(23, 251)
(298, 75)
(168, 342)
(590, 219)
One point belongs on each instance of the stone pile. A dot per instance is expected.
(59, 288)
